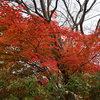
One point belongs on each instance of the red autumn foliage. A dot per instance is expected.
(44, 81)
(32, 38)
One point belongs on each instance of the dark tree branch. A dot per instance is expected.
(53, 10)
(98, 24)
(90, 60)
(92, 17)
(48, 5)
(83, 16)
(36, 11)
(27, 9)
(98, 27)
(80, 10)
(43, 7)
(68, 11)
(91, 6)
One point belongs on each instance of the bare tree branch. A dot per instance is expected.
(83, 16)
(80, 10)
(98, 24)
(68, 11)
(92, 17)
(44, 10)
(98, 27)
(48, 5)
(28, 10)
(53, 10)
(91, 6)
(36, 11)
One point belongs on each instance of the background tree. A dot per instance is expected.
(73, 14)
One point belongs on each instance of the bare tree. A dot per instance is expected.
(40, 7)
(71, 13)
(79, 17)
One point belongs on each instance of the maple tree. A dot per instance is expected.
(32, 46)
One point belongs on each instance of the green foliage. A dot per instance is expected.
(87, 86)
(16, 88)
